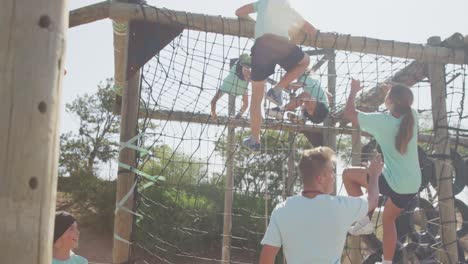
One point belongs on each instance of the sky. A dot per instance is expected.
(89, 52)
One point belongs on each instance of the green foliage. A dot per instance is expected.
(251, 171)
(94, 199)
(180, 220)
(96, 140)
(178, 168)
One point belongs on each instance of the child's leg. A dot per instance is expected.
(214, 101)
(258, 88)
(353, 179)
(390, 214)
(294, 72)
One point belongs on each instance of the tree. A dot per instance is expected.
(96, 139)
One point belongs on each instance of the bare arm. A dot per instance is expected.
(245, 104)
(213, 103)
(245, 11)
(374, 170)
(309, 29)
(329, 96)
(268, 254)
(350, 112)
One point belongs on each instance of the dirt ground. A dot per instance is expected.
(97, 248)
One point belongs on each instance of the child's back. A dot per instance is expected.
(275, 17)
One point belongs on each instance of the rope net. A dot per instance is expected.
(180, 219)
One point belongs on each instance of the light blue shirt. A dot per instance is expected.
(313, 87)
(275, 17)
(234, 85)
(74, 259)
(313, 230)
(402, 172)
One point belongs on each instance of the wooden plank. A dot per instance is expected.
(223, 121)
(229, 191)
(179, 116)
(291, 174)
(123, 221)
(89, 14)
(448, 252)
(32, 50)
(325, 40)
(370, 100)
(354, 242)
(329, 138)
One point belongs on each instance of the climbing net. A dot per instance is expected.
(184, 153)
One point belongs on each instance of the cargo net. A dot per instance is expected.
(183, 209)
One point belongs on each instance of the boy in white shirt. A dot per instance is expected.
(312, 227)
(274, 20)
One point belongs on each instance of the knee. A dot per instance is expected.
(306, 60)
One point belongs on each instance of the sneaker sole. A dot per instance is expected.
(269, 98)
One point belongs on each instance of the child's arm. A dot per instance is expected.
(329, 96)
(309, 29)
(213, 103)
(245, 105)
(245, 11)
(350, 112)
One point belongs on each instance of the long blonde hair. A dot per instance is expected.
(402, 99)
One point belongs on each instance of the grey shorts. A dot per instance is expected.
(270, 50)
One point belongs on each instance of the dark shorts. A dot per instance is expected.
(400, 200)
(269, 50)
(321, 112)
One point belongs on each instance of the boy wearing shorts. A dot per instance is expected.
(272, 46)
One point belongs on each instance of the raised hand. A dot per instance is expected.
(376, 166)
(356, 86)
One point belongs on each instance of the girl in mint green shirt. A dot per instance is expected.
(396, 134)
(236, 83)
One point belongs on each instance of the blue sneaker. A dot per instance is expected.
(274, 97)
(251, 144)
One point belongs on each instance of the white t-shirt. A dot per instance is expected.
(313, 230)
(275, 17)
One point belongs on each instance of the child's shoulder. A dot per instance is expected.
(78, 259)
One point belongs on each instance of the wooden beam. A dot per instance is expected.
(291, 173)
(89, 14)
(245, 28)
(180, 116)
(32, 56)
(354, 242)
(229, 191)
(448, 252)
(370, 100)
(231, 121)
(329, 139)
(123, 220)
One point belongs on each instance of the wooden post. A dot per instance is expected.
(32, 58)
(448, 250)
(354, 242)
(123, 221)
(291, 179)
(329, 136)
(229, 192)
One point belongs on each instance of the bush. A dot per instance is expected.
(94, 199)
